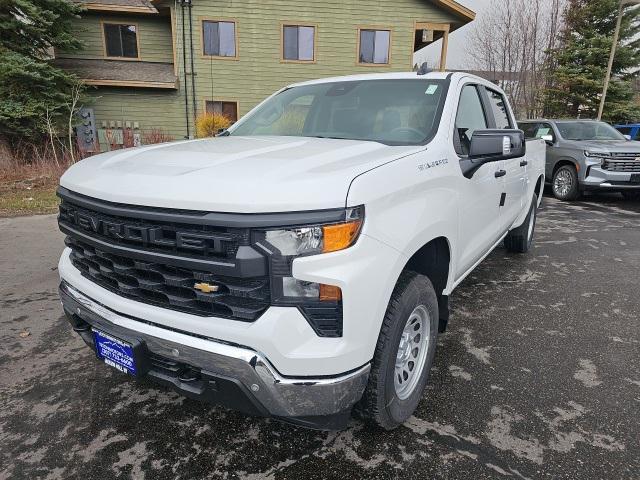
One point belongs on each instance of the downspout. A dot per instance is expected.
(184, 70)
(193, 73)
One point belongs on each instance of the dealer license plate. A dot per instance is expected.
(114, 352)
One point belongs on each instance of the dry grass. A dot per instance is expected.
(29, 177)
(28, 197)
(30, 173)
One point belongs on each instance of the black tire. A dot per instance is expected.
(564, 183)
(381, 404)
(520, 239)
(632, 195)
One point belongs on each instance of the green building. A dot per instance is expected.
(153, 66)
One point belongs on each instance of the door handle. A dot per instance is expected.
(524, 163)
(500, 173)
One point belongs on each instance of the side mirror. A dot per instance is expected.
(491, 146)
(628, 137)
(548, 139)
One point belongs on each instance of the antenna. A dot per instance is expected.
(424, 69)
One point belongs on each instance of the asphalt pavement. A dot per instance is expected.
(537, 377)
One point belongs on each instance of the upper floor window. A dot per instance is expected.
(298, 43)
(219, 39)
(374, 46)
(121, 40)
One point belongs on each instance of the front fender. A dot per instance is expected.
(406, 206)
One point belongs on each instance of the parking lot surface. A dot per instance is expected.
(538, 376)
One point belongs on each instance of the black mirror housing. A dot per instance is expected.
(493, 145)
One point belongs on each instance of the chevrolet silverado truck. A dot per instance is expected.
(587, 155)
(299, 265)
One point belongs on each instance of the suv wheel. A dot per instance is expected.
(633, 195)
(404, 353)
(519, 239)
(565, 183)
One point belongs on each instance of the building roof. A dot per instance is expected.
(121, 73)
(465, 14)
(130, 6)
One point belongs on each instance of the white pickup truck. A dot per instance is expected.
(299, 265)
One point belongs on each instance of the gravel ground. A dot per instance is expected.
(537, 377)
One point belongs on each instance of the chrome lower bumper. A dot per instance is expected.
(275, 395)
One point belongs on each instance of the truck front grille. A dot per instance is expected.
(158, 256)
(171, 287)
(622, 162)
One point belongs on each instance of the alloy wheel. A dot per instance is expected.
(562, 183)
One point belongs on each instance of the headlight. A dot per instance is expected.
(320, 303)
(314, 239)
(590, 154)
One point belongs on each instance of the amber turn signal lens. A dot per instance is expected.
(330, 292)
(340, 236)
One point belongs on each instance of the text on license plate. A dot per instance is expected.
(114, 352)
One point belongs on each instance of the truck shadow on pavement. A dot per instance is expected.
(537, 375)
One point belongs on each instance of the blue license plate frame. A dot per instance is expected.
(115, 352)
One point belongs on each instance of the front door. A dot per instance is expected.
(479, 215)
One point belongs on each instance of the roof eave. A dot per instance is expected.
(101, 7)
(466, 15)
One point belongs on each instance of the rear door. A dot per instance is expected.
(479, 211)
(516, 177)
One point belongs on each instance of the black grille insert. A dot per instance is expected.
(171, 287)
(326, 320)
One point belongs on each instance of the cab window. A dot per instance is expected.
(470, 117)
(499, 108)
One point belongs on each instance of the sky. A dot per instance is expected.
(456, 55)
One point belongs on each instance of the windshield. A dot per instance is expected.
(394, 112)
(588, 131)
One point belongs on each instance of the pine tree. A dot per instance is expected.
(580, 65)
(30, 86)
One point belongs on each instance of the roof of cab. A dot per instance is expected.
(434, 75)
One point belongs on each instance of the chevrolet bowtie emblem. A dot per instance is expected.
(206, 287)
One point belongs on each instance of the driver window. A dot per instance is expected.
(470, 117)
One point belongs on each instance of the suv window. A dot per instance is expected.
(536, 130)
(499, 107)
(470, 117)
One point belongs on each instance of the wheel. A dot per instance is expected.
(565, 183)
(519, 239)
(632, 195)
(404, 353)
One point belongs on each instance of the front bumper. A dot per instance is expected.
(218, 372)
(598, 178)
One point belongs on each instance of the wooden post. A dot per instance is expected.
(443, 53)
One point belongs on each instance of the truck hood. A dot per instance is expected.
(232, 174)
(619, 146)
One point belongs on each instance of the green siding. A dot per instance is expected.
(154, 36)
(151, 109)
(258, 71)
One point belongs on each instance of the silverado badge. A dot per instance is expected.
(206, 287)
